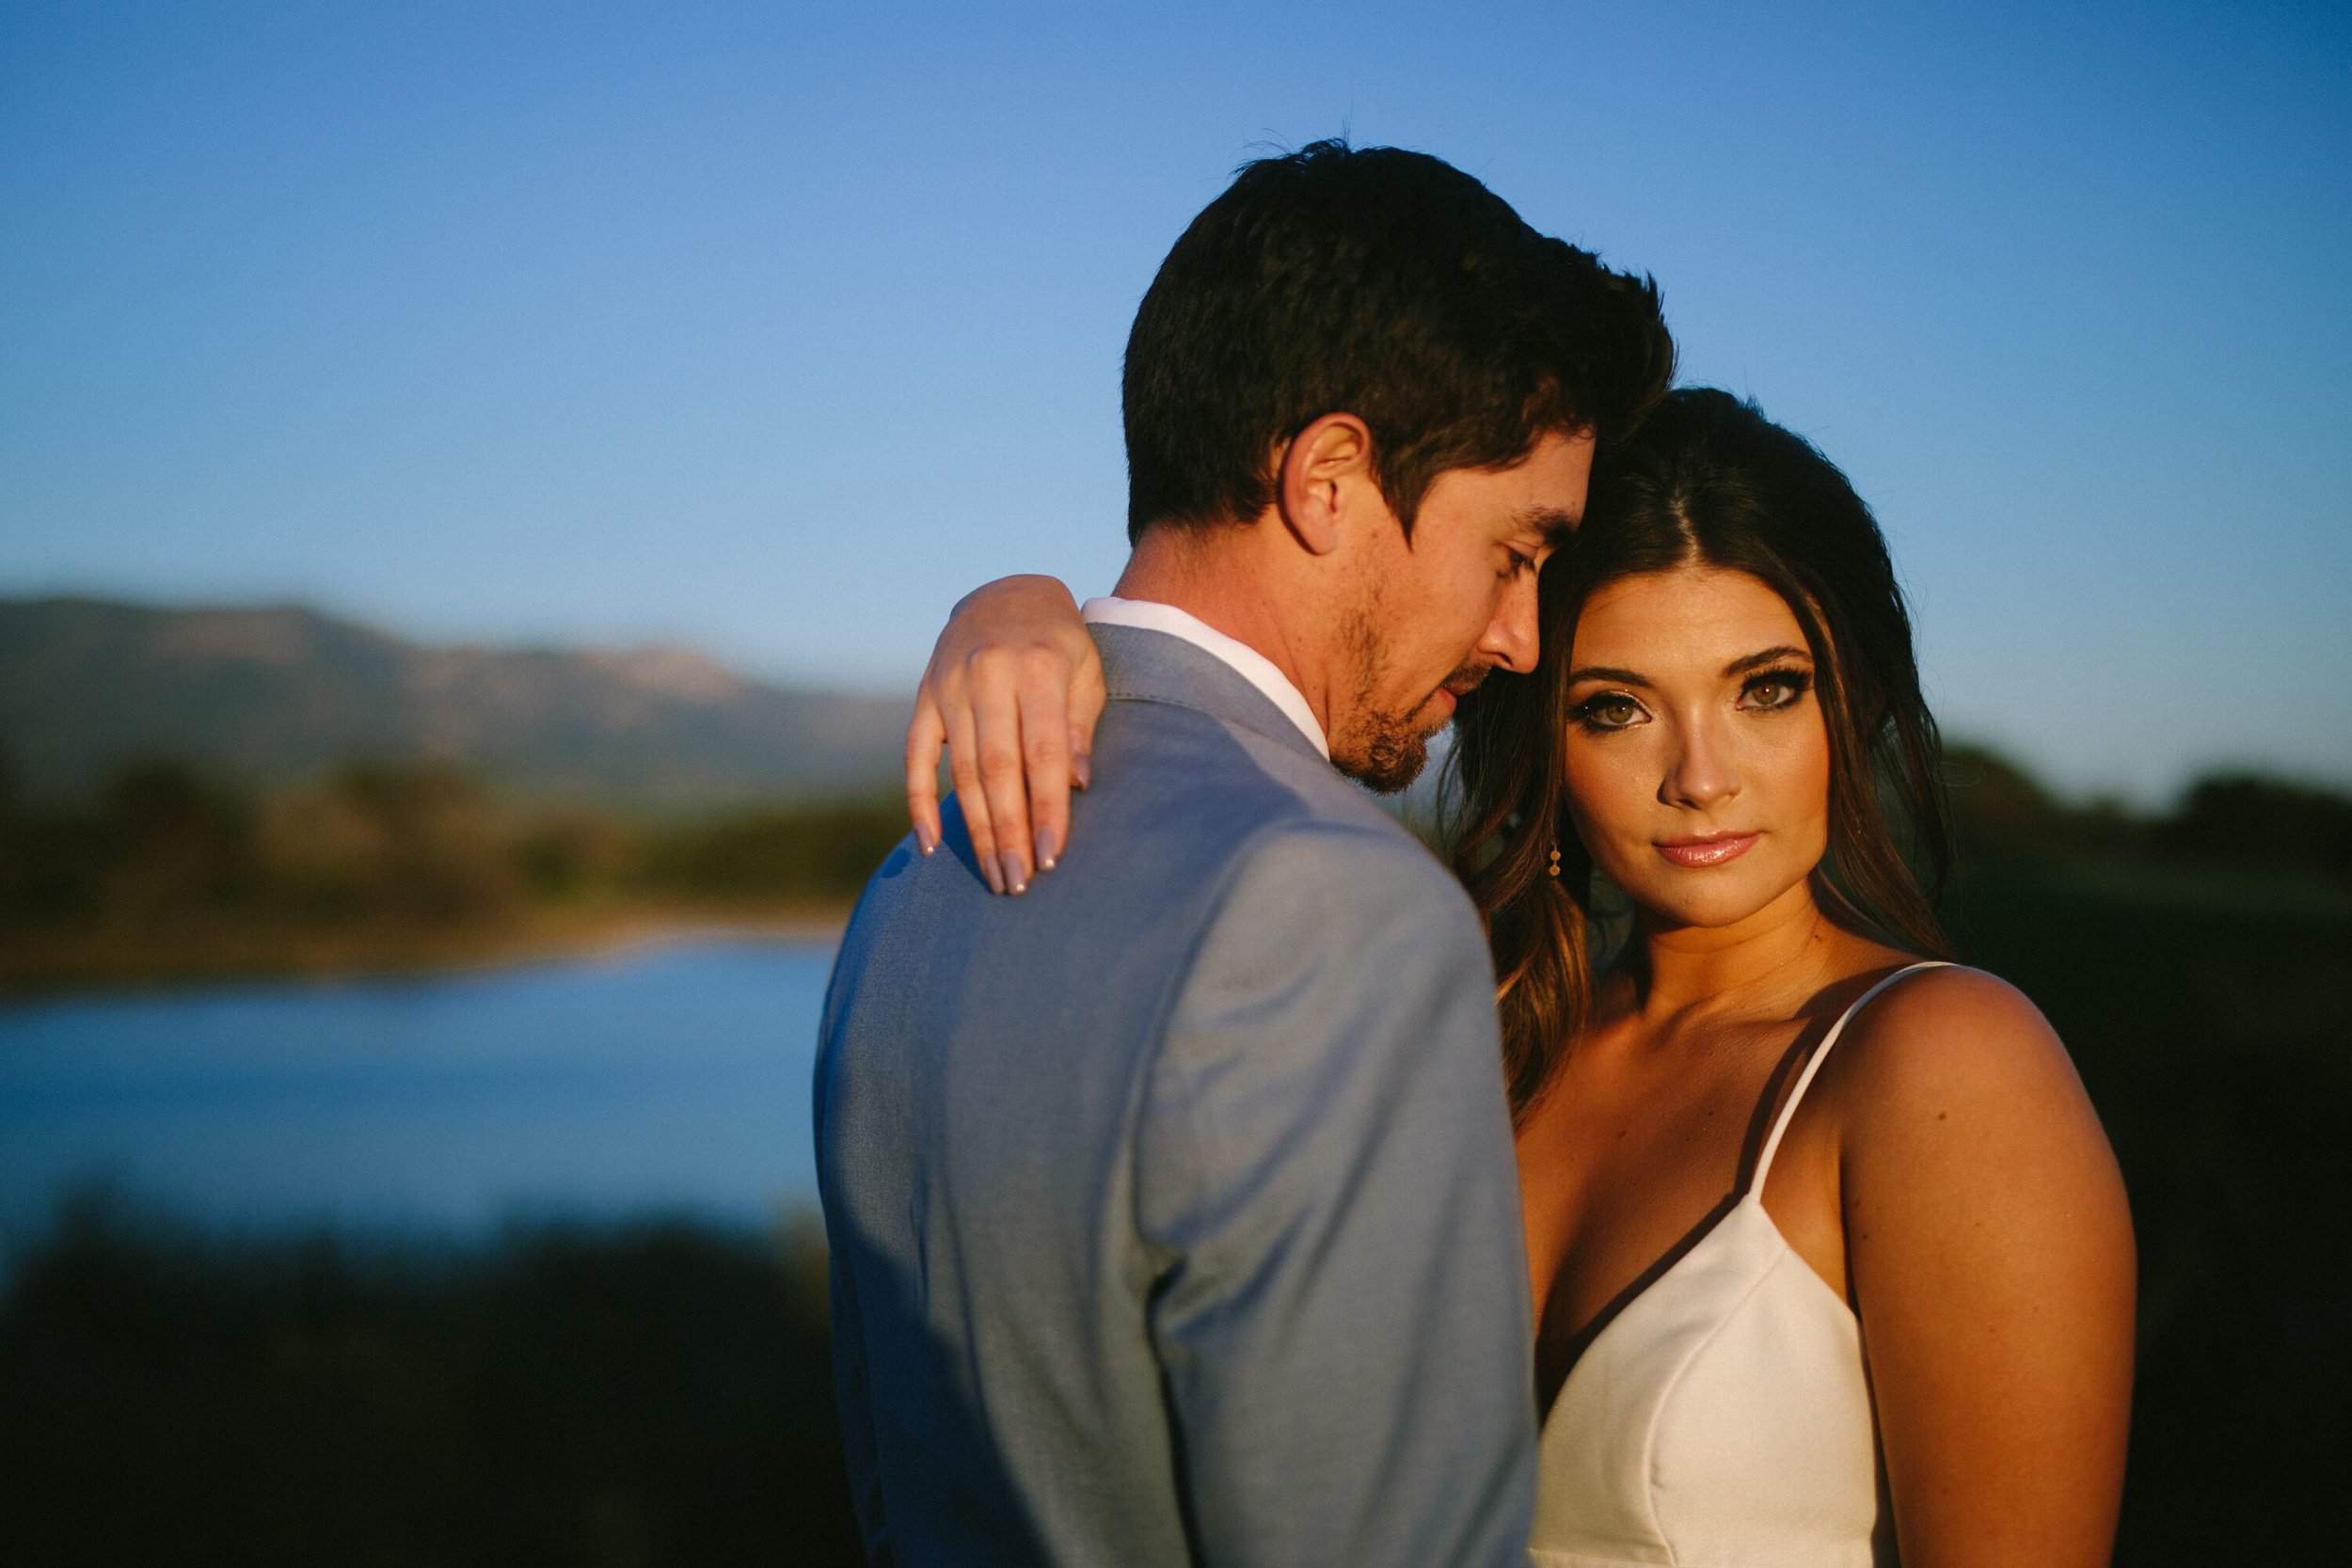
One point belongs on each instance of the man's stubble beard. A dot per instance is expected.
(1380, 748)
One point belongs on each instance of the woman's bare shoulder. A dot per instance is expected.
(1989, 1253)
(1955, 1051)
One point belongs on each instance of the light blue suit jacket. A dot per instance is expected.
(1172, 1206)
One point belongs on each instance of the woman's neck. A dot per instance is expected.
(1780, 954)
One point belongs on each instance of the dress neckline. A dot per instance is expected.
(1758, 1146)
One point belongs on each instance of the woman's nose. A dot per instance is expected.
(1702, 771)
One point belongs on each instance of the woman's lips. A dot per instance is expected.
(1716, 849)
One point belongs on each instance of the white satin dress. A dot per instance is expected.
(1722, 1418)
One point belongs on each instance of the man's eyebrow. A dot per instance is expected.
(1608, 672)
(1556, 526)
(1769, 655)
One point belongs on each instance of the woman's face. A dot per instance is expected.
(1697, 760)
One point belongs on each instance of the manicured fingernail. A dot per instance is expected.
(1015, 877)
(1082, 769)
(924, 841)
(991, 875)
(1046, 850)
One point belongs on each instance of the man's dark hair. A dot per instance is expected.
(1385, 284)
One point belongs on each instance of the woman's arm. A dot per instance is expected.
(1989, 1248)
(1012, 692)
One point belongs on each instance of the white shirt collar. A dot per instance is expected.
(1243, 660)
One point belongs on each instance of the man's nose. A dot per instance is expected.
(1512, 640)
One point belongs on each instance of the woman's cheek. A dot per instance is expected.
(1605, 803)
(1800, 777)
(1816, 777)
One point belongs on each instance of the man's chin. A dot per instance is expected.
(1386, 762)
(1390, 751)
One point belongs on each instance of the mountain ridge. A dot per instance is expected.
(269, 694)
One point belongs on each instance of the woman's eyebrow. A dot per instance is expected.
(1769, 655)
(1607, 673)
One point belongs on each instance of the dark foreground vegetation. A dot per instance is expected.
(658, 1396)
(168, 874)
(2200, 969)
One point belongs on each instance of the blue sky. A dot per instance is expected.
(773, 328)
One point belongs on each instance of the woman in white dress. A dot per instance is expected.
(1832, 1262)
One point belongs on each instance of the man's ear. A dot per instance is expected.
(1325, 471)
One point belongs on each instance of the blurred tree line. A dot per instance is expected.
(427, 844)
(164, 858)
(2228, 823)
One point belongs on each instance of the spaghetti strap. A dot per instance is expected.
(1821, 1055)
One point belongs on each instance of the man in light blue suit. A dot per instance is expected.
(1172, 1205)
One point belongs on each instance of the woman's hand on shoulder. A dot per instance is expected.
(1012, 693)
(1989, 1246)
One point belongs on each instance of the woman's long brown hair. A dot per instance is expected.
(1708, 480)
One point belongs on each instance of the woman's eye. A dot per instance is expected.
(1772, 690)
(1609, 711)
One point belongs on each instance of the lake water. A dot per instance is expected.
(666, 1077)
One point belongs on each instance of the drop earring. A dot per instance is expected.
(1556, 858)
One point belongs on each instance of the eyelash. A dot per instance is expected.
(1798, 682)
(1587, 714)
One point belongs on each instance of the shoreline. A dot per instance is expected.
(199, 954)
